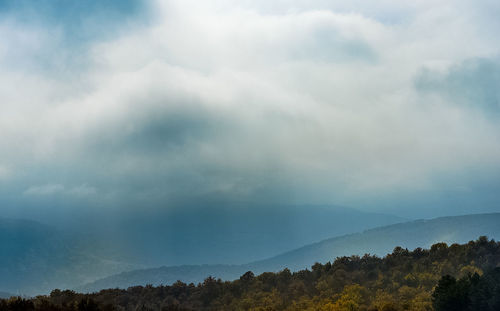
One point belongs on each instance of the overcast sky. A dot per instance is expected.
(378, 105)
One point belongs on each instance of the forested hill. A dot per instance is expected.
(402, 280)
(379, 241)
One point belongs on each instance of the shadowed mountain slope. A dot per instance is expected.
(379, 241)
(36, 258)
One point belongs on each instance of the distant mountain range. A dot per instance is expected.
(379, 241)
(225, 233)
(36, 258)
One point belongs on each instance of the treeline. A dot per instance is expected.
(418, 280)
(470, 293)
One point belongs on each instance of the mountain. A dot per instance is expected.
(460, 277)
(379, 241)
(35, 258)
(224, 233)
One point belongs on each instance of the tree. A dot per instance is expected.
(451, 295)
(87, 304)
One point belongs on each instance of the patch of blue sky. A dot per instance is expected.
(80, 21)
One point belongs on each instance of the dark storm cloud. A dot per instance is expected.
(162, 130)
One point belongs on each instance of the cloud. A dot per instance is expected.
(83, 190)
(472, 84)
(296, 102)
(43, 190)
(4, 173)
(77, 22)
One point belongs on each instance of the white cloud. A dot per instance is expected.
(44, 190)
(82, 190)
(316, 96)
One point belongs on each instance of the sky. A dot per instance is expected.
(387, 106)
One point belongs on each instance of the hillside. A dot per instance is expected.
(36, 258)
(379, 241)
(402, 280)
(224, 233)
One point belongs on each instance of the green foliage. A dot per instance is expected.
(418, 280)
(470, 293)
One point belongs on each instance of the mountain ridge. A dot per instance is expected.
(37, 258)
(441, 229)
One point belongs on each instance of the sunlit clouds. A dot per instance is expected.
(373, 106)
